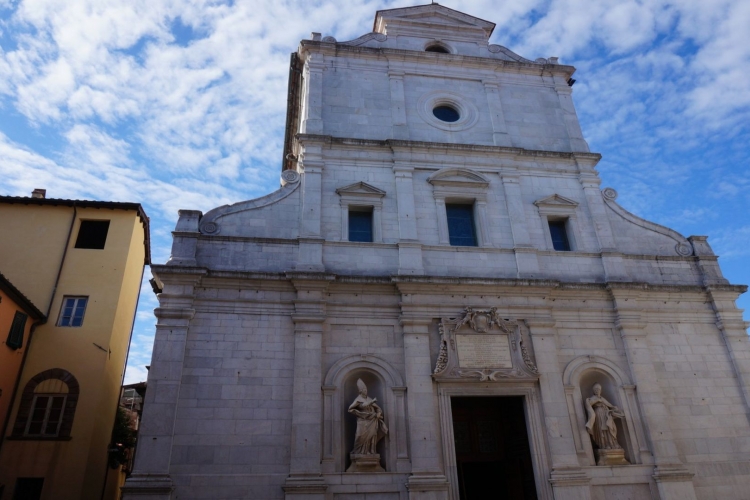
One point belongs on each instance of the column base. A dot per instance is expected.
(148, 487)
(305, 487)
(427, 487)
(570, 483)
(675, 482)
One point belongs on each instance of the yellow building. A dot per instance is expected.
(82, 263)
(18, 319)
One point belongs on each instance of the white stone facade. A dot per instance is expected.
(269, 314)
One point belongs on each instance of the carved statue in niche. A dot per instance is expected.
(603, 430)
(370, 429)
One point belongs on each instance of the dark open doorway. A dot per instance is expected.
(492, 448)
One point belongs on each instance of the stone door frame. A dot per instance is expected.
(534, 427)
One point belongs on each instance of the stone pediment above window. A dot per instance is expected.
(557, 202)
(360, 189)
(458, 177)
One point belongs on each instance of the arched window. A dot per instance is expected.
(48, 405)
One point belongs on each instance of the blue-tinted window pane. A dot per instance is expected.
(461, 225)
(360, 226)
(559, 235)
(73, 311)
(446, 114)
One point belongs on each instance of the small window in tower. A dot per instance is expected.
(446, 113)
(461, 231)
(437, 48)
(92, 234)
(559, 234)
(360, 224)
(72, 311)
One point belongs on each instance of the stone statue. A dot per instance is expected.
(370, 429)
(601, 426)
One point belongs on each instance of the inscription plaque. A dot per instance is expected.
(483, 351)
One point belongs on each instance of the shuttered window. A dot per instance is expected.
(15, 336)
(461, 229)
(360, 225)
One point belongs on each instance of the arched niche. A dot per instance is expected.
(339, 390)
(579, 378)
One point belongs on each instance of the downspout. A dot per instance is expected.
(34, 325)
(122, 379)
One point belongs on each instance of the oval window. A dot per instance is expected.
(446, 114)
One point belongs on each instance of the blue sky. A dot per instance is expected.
(180, 104)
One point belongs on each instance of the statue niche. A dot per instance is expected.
(371, 428)
(602, 428)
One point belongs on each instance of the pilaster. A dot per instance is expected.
(733, 330)
(428, 480)
(500, 131)
(409, 248)
(567, 478)
(577, 142)
(185, 238)
(526, 258)
(673, 479)
(312, 120)
(305, 479)
(310, 258)
(150, 478)
(398, 105)
(611, 260)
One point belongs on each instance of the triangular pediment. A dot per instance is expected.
(556, 201)
(361, 189)
(431, 14)
(458, 175)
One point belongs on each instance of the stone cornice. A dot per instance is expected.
(418, 56)
(423, 146)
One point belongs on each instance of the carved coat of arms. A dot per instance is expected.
(480, 344)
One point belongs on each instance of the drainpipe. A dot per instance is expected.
(34, 325)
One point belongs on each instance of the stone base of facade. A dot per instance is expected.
(610, 457)
(365, 463)
(148, 487)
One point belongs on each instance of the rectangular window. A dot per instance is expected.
(559, 234)
(28, 488)
(92, 234)
(461, 229)
(360, 224)
(15, 336)
(46, 415)
(72, 311)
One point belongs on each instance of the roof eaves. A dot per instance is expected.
(20, 299)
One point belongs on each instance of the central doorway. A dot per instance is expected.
(493, 458)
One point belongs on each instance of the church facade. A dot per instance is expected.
(440, 302)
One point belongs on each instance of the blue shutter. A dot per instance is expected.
(461, 225)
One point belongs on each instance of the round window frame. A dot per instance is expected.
(467, 111)
(438, 43)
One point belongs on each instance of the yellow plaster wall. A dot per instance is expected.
(111, 278)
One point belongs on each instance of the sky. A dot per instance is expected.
(181, 104)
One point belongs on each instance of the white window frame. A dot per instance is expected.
(362, 195)
(46, 414)
(559, 208)
(461, 186)
(77, 298)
